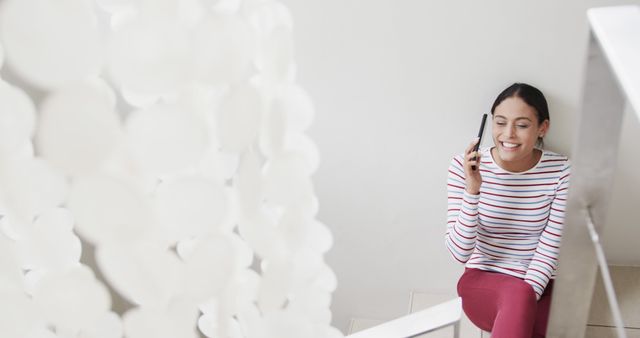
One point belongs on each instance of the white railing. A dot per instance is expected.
(425, 321)
(611, 85)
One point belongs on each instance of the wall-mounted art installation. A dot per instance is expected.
(168, 137)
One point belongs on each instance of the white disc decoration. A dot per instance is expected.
(70, 299)
(276, 283)
(51, 43)
(296, 105)
(225, 47)
(301, 232)
(178, 319)
(210, 268)
(17, 118)
(249, 187)
(137, 99)
(219, 166)
(165, 140)
(291, 170)
(168, 140)
(273, 133)
(11, 277)
(304, 145)
(32, 278)
(276, 56)
(78, 128)
(146, 274)
(150, 56)
(31, 186)
(16, 314)
(41, 333)
(191, 207)
(108, 210)
(239, 118)
(213, 327)
(109, 325)
(241, 292)
(262, 235)
(51, 243)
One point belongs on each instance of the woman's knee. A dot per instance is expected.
(520, 293)
(464, 283)
(480, 306)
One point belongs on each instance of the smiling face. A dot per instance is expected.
(515, 132)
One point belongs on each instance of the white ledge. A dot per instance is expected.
(617, 30)
(431, 319)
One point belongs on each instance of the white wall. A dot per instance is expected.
(399, 88)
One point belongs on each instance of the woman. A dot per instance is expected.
(505, 218)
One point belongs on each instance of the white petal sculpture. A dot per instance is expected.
(190, 207)
(176, 320)
(169, 136)
(109, 325)
(30, 186)
(51, 43)
(164, 139)
(71, 298)
(18, 314)
(145, 273)
(108, 210)
(41, 333)
(17, 118)
(78, 128)
(150, 56)
(296, 105)
(225, 47)
(51, 243)
(11, 277)
(239, 118)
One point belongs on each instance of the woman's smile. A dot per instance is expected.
(509, 146)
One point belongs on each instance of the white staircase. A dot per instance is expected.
(420, 301)
(430, 320)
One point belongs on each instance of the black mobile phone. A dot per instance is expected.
(484, 119)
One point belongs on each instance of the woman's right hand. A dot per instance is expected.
(473, 180)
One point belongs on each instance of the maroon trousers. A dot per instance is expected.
(504, 305)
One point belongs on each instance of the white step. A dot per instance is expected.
(434, 318)
(423, 300)
(359, 324)
(419, 301)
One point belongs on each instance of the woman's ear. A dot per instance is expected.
(544, 127)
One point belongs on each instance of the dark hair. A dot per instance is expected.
(531, 96)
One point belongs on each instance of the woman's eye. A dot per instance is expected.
(501, 123)
(523, 126)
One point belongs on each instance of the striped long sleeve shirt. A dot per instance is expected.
(514, 225)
